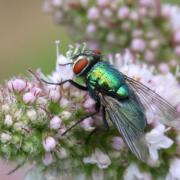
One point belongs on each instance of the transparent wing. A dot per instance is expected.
(125, 122)
(151, 100)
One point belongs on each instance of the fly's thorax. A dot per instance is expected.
(106, 77)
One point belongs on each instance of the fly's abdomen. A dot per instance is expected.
(104, 77)
(123, 91)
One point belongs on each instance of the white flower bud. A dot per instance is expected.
(29, 98)
(8, 120)
(65, 115)
(5, 137)
(5, 108)
(55, 122)
(42, 101)
(18, 114)
(62, 153)
(49, 143)
(18, 126)
(64, 102)
(54, 95)
(32, 115)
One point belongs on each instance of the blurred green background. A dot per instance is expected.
(27, 38)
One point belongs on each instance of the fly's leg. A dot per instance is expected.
(75, 84)
(104, 128)
(105, 122)
(79, 121)
(82, 119)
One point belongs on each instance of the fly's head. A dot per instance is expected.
(83, 59)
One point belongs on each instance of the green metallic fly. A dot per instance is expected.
(121, 99)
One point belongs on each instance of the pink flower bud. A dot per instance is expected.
(178, 108)
(29, 98)
(93, 13)
(36, 91)
(164, 68)
(57, 3)
(107, 13)
(177, 50)
(54, 95)
(143, 11)
(149, 56)
(103, 2)
(48, 159)
(138, 45)
(62, 130)
(49, 143)
(17, 85)
(146, 3)
(173, 62)
(91, 28)
(118, 143)
(177, 37)
(123, 12)
(89, 103)
(55, 122)
(87, 124)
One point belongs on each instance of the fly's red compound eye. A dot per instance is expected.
(80, 64)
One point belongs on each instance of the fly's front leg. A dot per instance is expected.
(75, 84)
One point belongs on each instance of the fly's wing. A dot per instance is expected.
(167, 113)
(129, 122)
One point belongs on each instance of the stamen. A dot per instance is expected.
(177, 73)
(57, 42)
(83, 47)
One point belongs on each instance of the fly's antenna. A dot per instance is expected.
(57, 43)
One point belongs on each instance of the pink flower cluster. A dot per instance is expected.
(146, 27)
(35, 114)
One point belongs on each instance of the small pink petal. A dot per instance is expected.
(29, 98)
